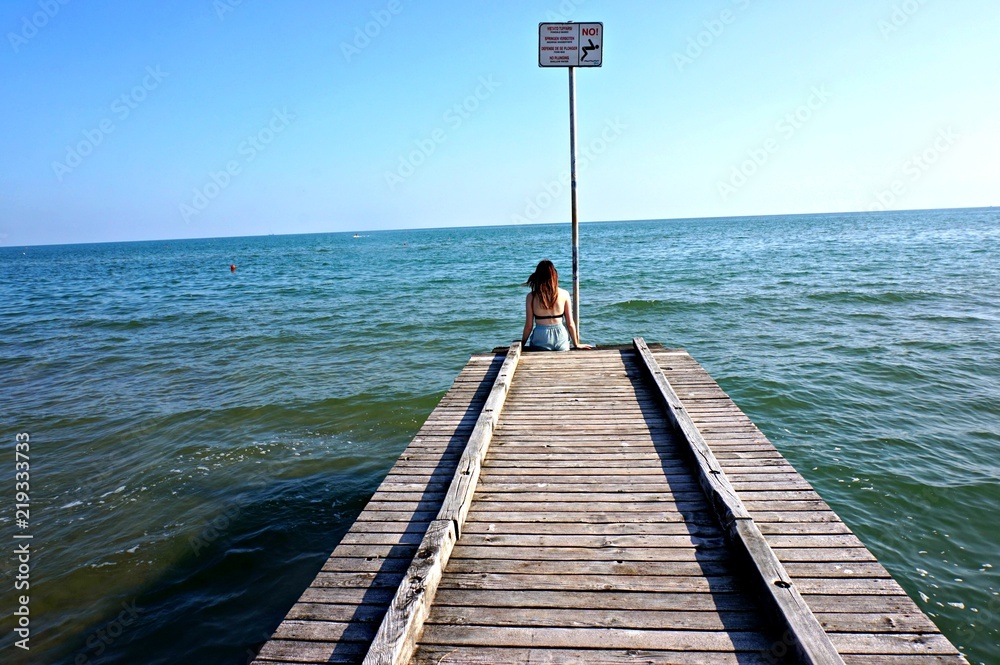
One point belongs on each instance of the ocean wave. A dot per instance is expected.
(846, 296)
(639, 307)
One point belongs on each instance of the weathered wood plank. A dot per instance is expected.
(626, 540)
(311, 652)
(596, 638)
(567, 554)
(544, 599)
(571, 568)
(888, 643)
(469, 655)
(514, 581)
(599, 618)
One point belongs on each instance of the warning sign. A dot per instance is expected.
(570, 44)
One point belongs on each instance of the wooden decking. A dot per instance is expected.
(587, 535)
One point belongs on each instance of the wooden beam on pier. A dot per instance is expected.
(805, 633)
(397, 635)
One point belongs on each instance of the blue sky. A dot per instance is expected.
(196, 118)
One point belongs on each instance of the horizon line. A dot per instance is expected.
(495, 226)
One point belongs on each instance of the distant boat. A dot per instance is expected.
(356, 235)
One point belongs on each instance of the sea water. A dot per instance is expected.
(200, 439)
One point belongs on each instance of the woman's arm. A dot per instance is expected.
(529, 320)
(571, 324)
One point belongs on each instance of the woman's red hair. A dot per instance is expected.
(544, 283)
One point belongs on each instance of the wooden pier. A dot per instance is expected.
(609, 506)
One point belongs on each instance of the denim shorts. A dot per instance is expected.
(549, 337)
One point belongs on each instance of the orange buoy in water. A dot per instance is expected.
(232, 267)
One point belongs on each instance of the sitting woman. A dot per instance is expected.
(548, 313)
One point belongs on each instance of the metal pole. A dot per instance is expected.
(572, 178)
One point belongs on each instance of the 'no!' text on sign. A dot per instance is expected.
(570, 44)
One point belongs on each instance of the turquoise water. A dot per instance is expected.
(201, 439)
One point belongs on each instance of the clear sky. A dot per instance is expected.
(192, 118)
